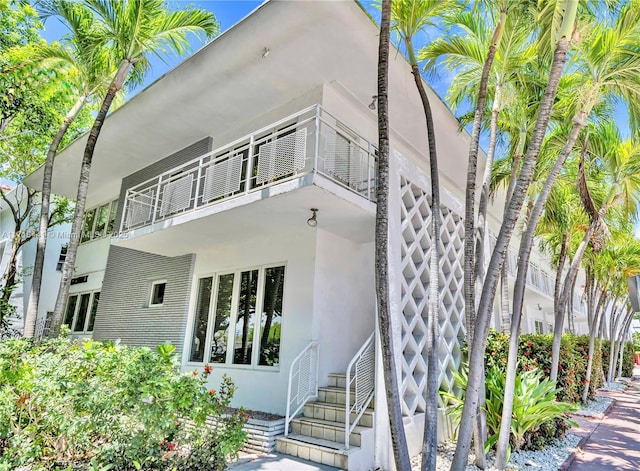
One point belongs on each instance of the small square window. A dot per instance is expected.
(157, 293)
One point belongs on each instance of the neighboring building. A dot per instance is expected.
(57, 240)
(241, 188)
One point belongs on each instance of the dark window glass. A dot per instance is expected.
(220, 334)
(87, 226)
(243, 339)
(102, 217)
(94, 310)
(201, 320)
(82, 313)
(271, 317)
(71, 310)
(157, 295)
(112, 217)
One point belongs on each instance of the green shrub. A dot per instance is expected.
(93, 405)
(535, 352)
(628, 360)
(537, 416)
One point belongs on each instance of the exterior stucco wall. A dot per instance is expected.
(263, 388)
(124, 312)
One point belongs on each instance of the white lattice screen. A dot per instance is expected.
(222, 178)
(415, 216)
(283, 156)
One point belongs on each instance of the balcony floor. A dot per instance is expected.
(239, 219)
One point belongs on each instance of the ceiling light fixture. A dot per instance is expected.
(265, 52)
(374, 100)
(313, 220)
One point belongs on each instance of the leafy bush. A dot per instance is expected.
(93, 405)
(535, 352)
(535, 408)
(628, 360)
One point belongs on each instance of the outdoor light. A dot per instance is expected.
(313, 221)
(372, 105)
(539, 307)
(265, 52)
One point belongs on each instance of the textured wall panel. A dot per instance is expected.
(124, 310)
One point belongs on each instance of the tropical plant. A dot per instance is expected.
(398, 437)
(70, 405)
(133, 30)
(535, 404)
(89, 70)
(409, 17)
(485, 305)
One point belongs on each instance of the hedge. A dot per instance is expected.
(628, 359)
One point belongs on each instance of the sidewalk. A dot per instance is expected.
(613, 442)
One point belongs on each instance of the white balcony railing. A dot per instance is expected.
(310, 141)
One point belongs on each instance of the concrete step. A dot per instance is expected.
(338, 380)
(336, 395)
(319, 450)
(327, 430)
(335, 413)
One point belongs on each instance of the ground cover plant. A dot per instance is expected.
(99, 405)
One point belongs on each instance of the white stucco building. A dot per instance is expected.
(209, 177)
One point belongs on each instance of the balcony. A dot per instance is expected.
(305, 143)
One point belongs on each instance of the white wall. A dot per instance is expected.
(266, 389)
(344, 300)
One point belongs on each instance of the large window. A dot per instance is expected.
(238, 318)
(99, 222)
(81, 311)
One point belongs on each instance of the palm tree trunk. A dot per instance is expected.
(562, 301)
(504, 275)
(396, 425)
(83, 186)
(562, 260)
(593, 328)
(34, 298)
(497, 259)
(430, 436)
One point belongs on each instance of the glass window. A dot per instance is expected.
(87, 226)
(102, 218)
(202, 319)
(112, 217)
(158, 289)
(62, 257)
(71, 310)
(94, 310)
(243, 340)
(271, 317)
(81, 317)
(220, 334)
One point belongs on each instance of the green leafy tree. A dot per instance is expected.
(133, 30)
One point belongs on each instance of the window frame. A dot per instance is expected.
(155, 283)
(233, 318)
(111, 210)
(76, 310)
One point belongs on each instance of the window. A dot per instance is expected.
(80, 314)
(539, 326)
(158, 289)
(99, 222)
(238, 321)
(62, 257)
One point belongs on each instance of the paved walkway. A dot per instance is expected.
(614, 443)
(277, 462)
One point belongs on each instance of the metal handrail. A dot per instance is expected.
(303, 367)
(363, 381)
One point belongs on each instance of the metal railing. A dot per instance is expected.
(303, 382)
(309, 141)
(363, 383)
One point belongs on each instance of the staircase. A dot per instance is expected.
(319, 434)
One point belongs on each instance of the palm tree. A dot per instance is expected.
(398, 438)
(485, 306)
(620, 162)
(89, 67)
(133, 30)
(409, 17)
